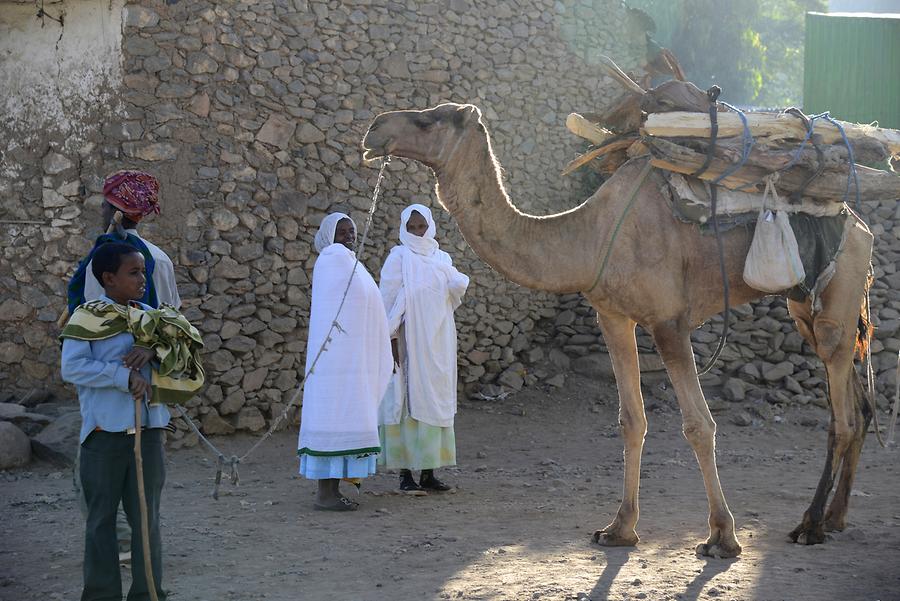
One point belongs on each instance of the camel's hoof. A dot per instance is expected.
(719, 550)
(833, 524)
(609, 538)
(806, 534)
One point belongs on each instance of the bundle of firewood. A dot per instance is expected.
(672, 123)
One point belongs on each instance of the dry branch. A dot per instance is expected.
(583, 128)
(611, 147)
(616, 73)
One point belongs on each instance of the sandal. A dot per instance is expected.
(342, 504)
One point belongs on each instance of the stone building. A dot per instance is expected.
(251, 114)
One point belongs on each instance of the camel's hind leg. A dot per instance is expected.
(674, 344)
(618, 333)
(836, 514)
(832, 333)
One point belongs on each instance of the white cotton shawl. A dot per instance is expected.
(325, 235)
(420, 293)
(421, 245)
(341, 397)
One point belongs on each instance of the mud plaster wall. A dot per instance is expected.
(58, 86)
(57, 82)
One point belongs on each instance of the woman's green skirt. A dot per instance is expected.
(415, 445)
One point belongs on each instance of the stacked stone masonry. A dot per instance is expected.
(251, 115)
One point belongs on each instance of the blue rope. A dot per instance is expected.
(746, 147)
(795, 156)
(809, 133)
(852, 175)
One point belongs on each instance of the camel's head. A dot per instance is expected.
(430, 136)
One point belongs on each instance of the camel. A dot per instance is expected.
(662, 274)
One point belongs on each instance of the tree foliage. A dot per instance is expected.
(752, 49)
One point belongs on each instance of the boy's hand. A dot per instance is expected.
(138, 357)
(138, 386)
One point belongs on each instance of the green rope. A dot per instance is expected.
(640, 182)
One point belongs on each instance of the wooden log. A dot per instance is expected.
(623, 116)
(583, 128)
(774, 158)
(675, 95)
(874, 184)
(610, 162)
(687, 124)
(637, 149)
(584, 159)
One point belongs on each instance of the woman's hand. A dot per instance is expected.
(395, 351)
(138, 357)
(138, 386)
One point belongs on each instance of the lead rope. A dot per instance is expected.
(232, 462)
(896, 403)
(870, 374)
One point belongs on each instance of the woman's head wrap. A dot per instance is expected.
(135, 193)
(325, 235)
(421, 245)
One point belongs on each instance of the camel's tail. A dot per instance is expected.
(864, 327)
(863, 336)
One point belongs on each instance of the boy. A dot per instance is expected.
(136, 195)
(99, 356)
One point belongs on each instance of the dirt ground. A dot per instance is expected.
(538, 472)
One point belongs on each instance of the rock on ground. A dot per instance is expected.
(15, 448)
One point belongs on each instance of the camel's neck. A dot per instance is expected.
(536, 252)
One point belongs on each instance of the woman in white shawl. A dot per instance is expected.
(339, 417)
(421, 289)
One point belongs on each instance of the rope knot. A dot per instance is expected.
(232, 464)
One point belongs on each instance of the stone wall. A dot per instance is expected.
(251, 114)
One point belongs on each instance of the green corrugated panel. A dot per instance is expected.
(851, 67)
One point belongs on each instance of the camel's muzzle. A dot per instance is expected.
(370, 155)
(374, 145)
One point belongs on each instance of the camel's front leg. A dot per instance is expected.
(618, 332)
(674, 344)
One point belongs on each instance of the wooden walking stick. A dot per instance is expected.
(142, 498)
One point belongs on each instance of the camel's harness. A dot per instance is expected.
(747, 145)
(712, 94)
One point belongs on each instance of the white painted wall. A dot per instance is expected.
(54, 80)
(864, 6)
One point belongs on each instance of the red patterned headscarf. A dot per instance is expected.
(135, 193)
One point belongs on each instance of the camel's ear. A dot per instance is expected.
(466, 114)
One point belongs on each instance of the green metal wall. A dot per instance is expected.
(851, 67)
